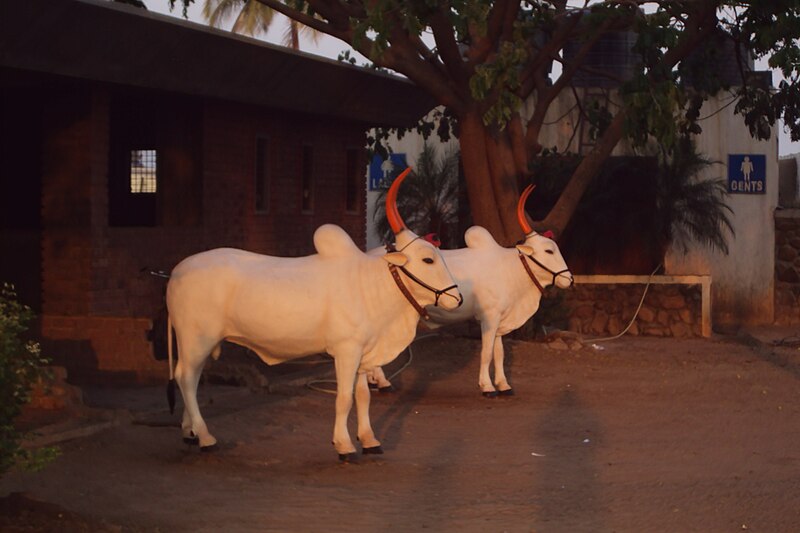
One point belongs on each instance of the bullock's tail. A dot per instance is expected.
(171, 384)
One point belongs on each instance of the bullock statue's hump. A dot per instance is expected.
(332, 241)
(479, 237)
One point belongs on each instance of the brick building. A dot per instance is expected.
(130, 140)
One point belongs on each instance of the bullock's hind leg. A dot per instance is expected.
(365, 434)
(191, 360)
(377, 379)
(500, 381)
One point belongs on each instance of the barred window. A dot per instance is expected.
(144, 175)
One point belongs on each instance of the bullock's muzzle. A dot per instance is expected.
(436, 292)
(554, 274)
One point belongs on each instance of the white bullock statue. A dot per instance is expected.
(362, 310)
(502, 288)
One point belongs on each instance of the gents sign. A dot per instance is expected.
(747, 173)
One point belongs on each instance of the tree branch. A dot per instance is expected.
(700, 23)
(444, 35)
(343, 33)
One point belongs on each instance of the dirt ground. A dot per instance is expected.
(643, 435)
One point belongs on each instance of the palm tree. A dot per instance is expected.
(428, 201)
(253, 19)
(691, 209)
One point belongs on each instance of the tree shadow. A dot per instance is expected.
(783, 358)
(566, 492)
(415, 383)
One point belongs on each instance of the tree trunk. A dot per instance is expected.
(490, 174)
(475, 161)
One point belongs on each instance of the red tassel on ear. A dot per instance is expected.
(549, 234)
(433, 239)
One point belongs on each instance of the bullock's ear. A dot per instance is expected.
(396, 258)
(525, 249)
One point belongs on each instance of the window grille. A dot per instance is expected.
(144, 171)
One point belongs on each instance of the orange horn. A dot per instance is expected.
(392, 214)
(523, 221)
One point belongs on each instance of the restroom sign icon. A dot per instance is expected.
(747, 173)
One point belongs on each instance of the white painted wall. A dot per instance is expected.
(743, 281)
(563, 118)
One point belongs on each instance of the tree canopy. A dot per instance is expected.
(482, 59)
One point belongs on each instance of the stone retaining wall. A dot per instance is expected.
(606, 309)
(787, 267)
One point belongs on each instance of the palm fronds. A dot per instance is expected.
(690, 208)
(428, 200)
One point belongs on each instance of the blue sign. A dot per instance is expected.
(747, 173)
(383, 172)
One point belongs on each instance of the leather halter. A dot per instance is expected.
(390, 247)
(530, 273)
(419, 309)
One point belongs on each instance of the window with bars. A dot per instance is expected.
(155, 160)
(144, 172)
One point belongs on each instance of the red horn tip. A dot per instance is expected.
(392, 214)
(523, 221)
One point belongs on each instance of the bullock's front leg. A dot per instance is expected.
(488, 335)
(500, 381)
(346, 366)
(365, 434)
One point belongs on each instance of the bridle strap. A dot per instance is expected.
(530, 273)
(418, 308)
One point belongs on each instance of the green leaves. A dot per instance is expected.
(20, 366)
(496, 82)
(655, 109)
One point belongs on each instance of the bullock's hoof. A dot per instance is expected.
(506, 393)
(191, 441)
(490, 394)
(209, 449)
(388, 388)
(375, 450)
(348, 457)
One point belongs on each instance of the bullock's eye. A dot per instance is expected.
(551, 252)
(428, 260)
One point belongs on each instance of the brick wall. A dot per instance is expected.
(97, 301)
(66, 203)
(103, 350)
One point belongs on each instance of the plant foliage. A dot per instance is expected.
(21, 365)
(690, 207)
(488, 64)
(428, 199)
